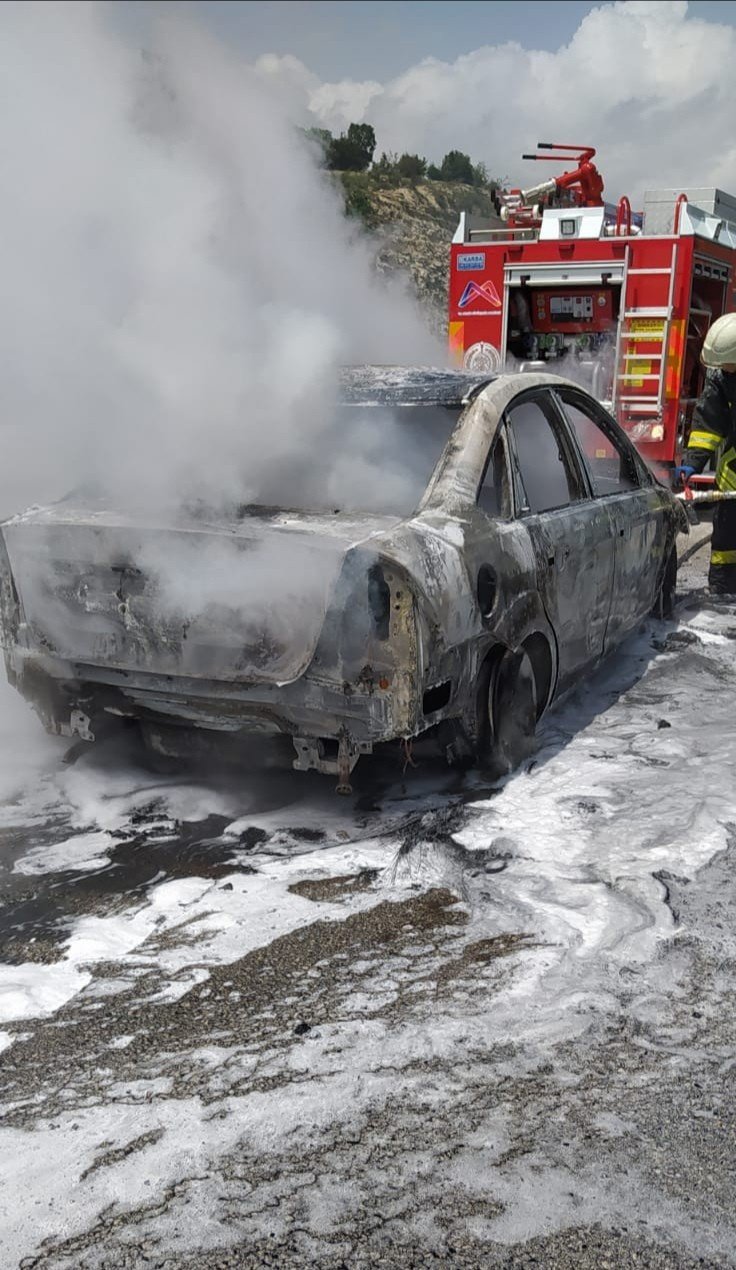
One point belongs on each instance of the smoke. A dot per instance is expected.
(593, 371)
(179, 287)
(179, 282)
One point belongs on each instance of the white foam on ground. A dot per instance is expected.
(605, 806)
(107, 796)
(82, 852)
(100, 792)
(612, 799)
(224, 920)
(34, 990)
(593, 822)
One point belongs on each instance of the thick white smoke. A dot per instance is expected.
(179, 282)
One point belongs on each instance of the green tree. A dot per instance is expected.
(457, 166)
(352, 151)
(411, 166)
(358, 201)
(433, 173)
(363, 138)
(386, 163)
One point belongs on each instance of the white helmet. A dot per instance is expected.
(719, 346)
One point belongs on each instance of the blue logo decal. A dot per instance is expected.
(482, 293)
(472, 260)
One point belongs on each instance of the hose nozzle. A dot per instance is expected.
(536, 191)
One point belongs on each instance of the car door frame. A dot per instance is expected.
(638, 519)
(498, 546)
(556, 533)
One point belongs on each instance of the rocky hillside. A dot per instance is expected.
(412, 224)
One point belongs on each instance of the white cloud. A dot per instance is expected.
(344, 102)
(649, 84)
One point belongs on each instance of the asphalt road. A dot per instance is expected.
(248, 1025)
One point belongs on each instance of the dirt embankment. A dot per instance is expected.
(412, 227)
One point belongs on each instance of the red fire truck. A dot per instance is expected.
(620, 303)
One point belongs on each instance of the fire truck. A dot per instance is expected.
(619, 302)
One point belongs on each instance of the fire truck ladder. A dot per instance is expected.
(632, 328)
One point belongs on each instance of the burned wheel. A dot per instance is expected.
(497, 731)
(507, 712)
(664, 604)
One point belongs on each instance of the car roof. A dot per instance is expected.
(408, 385)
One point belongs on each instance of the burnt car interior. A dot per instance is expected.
(394, 451)
(545, 474)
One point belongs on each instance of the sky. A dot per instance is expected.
(650, 83)
(376, 39)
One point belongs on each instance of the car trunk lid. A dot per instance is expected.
(241, 600)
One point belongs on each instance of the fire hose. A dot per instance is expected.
(712, 496)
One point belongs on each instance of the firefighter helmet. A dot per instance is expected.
(719, 346)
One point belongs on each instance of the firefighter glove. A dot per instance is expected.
(682, 474)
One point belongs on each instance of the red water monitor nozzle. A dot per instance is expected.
(585, 181)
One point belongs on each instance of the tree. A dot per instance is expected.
(411, 166)
(386, 163)
(480, 174)
(457, 166)
(363, 138)
(352, 151)
(358, 201)
(433, 173)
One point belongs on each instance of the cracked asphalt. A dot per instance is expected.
(379, 1085)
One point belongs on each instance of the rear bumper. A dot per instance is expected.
(64, 694)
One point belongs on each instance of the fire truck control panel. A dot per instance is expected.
(572, 313)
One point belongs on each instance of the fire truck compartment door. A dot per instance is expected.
(566, 273)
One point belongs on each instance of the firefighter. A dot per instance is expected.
(713, 427)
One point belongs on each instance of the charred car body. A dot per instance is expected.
(534, 540)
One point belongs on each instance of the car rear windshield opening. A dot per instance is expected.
(375, 458)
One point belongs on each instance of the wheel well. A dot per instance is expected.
(491, 659)
(664, 597)
(487, 665)
(539, 653)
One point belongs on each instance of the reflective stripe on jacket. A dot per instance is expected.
(714, 422)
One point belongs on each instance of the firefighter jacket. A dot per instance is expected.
(713, 426)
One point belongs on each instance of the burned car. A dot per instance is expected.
(523, 541)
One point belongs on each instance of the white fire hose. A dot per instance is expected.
(715, 496)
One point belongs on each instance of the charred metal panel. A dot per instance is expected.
(189, 601)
